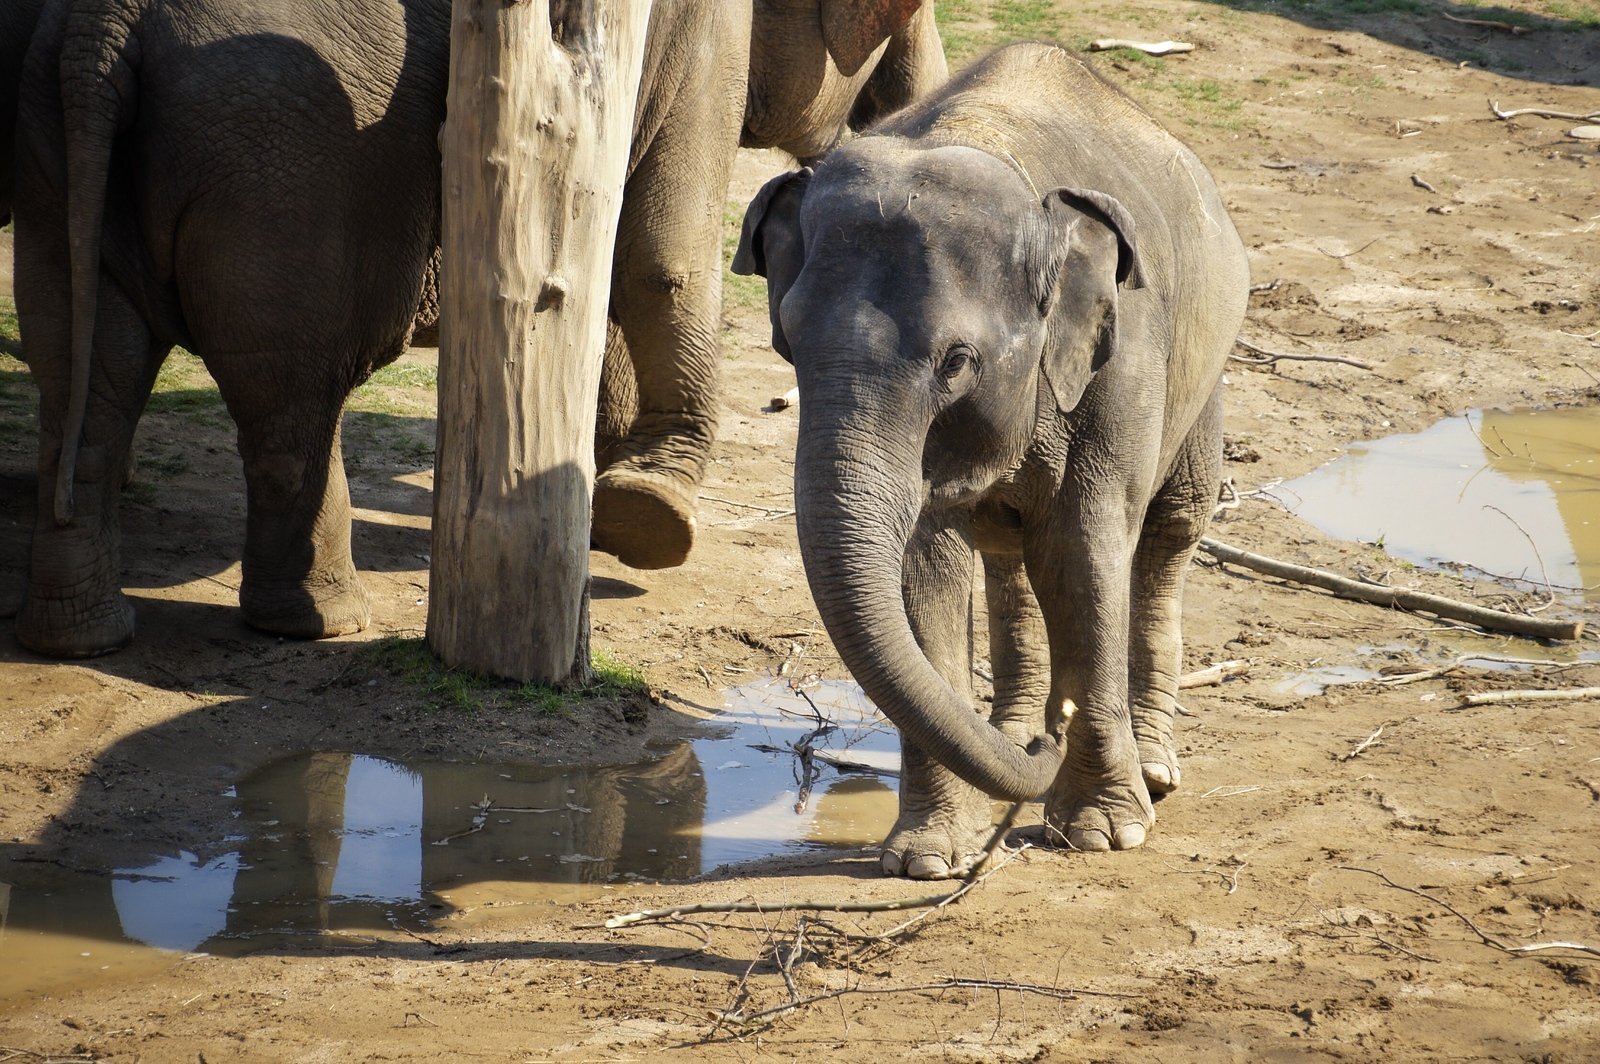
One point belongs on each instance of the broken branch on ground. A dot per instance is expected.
(1395, 597)
(1267, 358)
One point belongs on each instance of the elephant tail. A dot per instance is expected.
(97, 100)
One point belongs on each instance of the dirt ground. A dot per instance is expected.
(1244, 930)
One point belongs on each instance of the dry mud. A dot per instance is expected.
(1243, 931)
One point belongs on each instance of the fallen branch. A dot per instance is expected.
(786, 400)
(1484, 936)
(1494, 105)
(1106, 44)
(1444, 670)
(928, 901)
(1560, 694)
(1269, 357)
(1486, 23)
(1212, 675)
(1396, 597)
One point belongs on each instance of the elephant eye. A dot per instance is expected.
(956, 360)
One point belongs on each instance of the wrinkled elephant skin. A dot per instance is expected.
(1008, 307)
(259, 183)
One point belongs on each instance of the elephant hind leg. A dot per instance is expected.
(298, 577)
(1173, 524)
(74, 606)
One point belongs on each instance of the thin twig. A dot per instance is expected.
(1491, 24)
(1545, 575)
(1269, 357)
(1365, 745)
(897, 904)
(1487, 939)
(1062, 994)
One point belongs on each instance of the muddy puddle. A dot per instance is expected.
(337, 849)
(1433, 496)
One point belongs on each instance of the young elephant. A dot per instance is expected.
(1008, 307)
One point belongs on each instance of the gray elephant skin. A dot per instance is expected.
(259, 183)
(1008, 308)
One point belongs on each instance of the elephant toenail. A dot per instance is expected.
(928, 867)
(890, 863)
(1094, 841)
(1129, 836)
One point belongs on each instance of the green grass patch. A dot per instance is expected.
(409, 660)
(405, 375)
(10, 329)
(19, 406)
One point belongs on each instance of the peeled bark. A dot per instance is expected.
(854, 517)
(535, 149)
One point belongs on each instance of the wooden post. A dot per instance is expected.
(535, 149)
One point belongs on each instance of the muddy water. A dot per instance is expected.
(1425, 495)
(332, 847)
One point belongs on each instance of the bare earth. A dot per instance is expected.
(1238, 933)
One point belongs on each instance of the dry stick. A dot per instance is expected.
(1488, 939)
(1444, 670)
(1558, 695)
(1494, 105)
(1212, 675)
(1395, 597)
(1365, 745)
(1107, 44)
(1486, 23)
(927, 901)
(1415, 180)
(1269, 357)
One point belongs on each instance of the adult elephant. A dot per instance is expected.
(259, 183)
(17, 19)
(1008, 308)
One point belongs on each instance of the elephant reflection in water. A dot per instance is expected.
(369, 833)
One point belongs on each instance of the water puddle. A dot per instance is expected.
(1309, 682)
(362, 846)
(1425, 495)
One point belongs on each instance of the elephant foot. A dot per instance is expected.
(340, 607)
(60, 628)
(939, 844)
(1112, 816)
(645, 519)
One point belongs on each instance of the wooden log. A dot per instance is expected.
(1396, 597)
(535, 154)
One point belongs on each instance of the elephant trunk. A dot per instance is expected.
(858, 495)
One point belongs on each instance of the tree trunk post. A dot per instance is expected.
(535, 148)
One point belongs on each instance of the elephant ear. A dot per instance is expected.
(770, 243)
(853, 29)
(1090, 255)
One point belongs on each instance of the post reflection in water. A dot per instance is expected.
(347, 842)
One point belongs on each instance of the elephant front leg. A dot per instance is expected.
(944, 821)
(1173, 524)
(1080, 574)
(298, 579)
(666, 298)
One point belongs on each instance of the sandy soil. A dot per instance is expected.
(1240, 931)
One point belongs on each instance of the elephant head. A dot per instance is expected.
(935, 308)
(818, 65)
